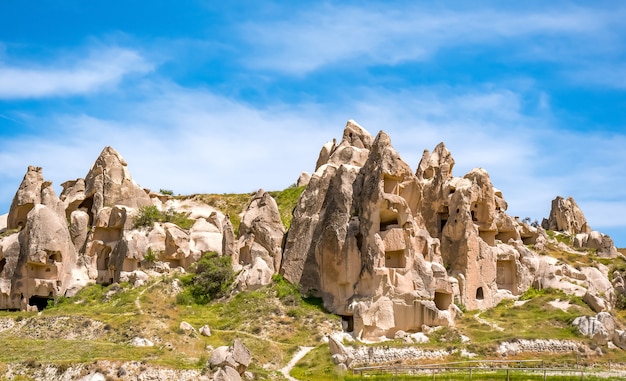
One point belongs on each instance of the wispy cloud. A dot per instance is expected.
(378, 34)
(101, 68)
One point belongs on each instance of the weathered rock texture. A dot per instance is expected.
(258, 251)
(356, 240)
(389, 249)
(36, 263)
(566, 216)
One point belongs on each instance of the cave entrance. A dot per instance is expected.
(41, 302)
(347, 323)
(442, 217)
(388, 219)
(174, 263)
(442, 300)
(3, 263)
(480, 294)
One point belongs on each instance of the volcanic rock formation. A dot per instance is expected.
(391, 250)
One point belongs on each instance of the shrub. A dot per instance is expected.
(150, 214)
(167, 192)
(147, 216)
(151, 256)
(210, 278)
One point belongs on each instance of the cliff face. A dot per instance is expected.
(385, 247)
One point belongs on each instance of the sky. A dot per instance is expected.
(223, 97)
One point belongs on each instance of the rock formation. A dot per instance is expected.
(566, 216)
(356, 242)
(38, 262)
(258, 251)
(391, 250)
(230, 363)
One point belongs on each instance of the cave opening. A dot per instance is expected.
(41, 302)
(347, 323)
(442, 300)
(480, 294)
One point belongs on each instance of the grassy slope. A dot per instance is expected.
(272, 322)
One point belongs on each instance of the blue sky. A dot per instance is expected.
(213, 98)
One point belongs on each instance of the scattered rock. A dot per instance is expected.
(141, 342)
(205, 330)
(187, 328)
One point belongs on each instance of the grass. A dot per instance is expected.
(318, 365)
(536, 319)
(272, 322)
(235, 204)
(287, 200)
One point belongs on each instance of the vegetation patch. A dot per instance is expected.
(150, 214)
(287, 200)
(230, 204)
(318, 365)
(210, 278)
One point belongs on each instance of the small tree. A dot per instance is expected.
(211, 277)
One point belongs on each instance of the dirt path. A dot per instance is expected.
(294, 360)
(487, 322)
(137, 302)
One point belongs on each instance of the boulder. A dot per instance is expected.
(205, 330)
(221, 357)
(205, 236)
(241, 355)
(255, 276)
(339, 352)
(619, 339)
(226, 374)
(236, 357)
(141, 342)
(591, 327)
(187, 328)
(303, 179)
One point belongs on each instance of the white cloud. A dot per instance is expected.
(101, 68)
(372, 35)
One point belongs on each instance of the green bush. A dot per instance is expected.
(210, 278)
(147, 216)
(150, 214)
(167, 192)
